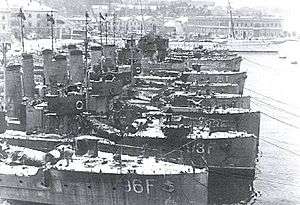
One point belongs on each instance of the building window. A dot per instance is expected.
(3, 27)
(38, 16)
(3, 17)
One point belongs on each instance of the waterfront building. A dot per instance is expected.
(36, 24)
(4, 19)
(245, 27)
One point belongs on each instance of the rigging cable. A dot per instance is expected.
(273, 99)
(280, 147)
(274, 118)
(258, 64)
(274, 107)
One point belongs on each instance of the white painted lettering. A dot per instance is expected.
(200, 148)
(149, 184)
(137, 186)
(127, 186)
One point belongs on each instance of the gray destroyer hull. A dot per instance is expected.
(80, 188)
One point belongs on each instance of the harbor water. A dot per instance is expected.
(274, 83)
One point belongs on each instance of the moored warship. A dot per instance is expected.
(92, 177)
(104, 103)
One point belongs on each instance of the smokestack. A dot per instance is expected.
(76, 66)
(59, 70)
(47, 59)
(109, 51)
(13, 90)
(96, 53)
(28, 76)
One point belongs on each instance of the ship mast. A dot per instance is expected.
(131, 61)
(21, 15)
(142, 19)
(231, 20)
(106, 28)
(100, 28)
(86, 60)
(50, 19)
(114, 27)
(101, 17)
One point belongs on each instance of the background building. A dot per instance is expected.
(171, 18)
(245, 27)
(35, 24)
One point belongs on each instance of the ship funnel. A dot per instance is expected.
(47, 60)
(28, 76)
(13, 90)
(76, 66)
(96, 54)
(59, 72)
(109, 51)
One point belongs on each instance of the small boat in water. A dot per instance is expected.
(282, 56)
(294, 62)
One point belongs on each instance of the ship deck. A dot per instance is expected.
(213, 72)
(18, 170)
(217, 95)
(104, 163)
(130, 164)
(210, 111)
(154, 130)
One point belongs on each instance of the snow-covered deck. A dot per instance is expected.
(106, 164)
(18, 170)
(211, 111)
